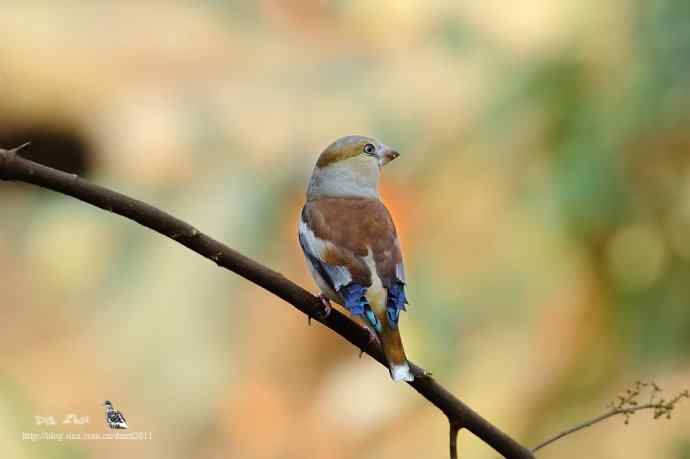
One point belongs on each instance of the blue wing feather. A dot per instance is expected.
(356, 302)
(355, 298)
(396, 302)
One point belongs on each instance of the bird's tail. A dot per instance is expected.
(395, 353)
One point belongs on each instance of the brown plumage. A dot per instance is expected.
(353, 226)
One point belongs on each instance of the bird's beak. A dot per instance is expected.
(387, 155)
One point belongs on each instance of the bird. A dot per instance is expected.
(114, 418)
(351, 245)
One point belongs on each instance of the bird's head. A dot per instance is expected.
(357, 152)
(350, 167)
(107, 403)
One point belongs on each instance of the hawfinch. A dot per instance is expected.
(350, 243)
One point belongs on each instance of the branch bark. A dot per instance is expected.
(15, 168)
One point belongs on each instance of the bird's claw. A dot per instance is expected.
(325, 312)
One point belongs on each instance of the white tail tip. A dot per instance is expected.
(401, 372)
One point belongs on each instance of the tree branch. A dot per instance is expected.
(16, 168)
(454, 431)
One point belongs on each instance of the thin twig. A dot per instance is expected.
(590, 423)
(14, 167)
(627, 405)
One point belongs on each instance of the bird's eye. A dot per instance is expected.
(369, 149)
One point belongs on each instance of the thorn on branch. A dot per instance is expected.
(6, 158)
(15, 150)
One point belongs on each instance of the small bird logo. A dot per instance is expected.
(113, 417)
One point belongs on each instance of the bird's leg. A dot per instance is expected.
(326, 311)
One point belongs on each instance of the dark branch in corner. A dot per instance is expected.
(460, 416)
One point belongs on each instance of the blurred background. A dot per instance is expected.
(542, 197)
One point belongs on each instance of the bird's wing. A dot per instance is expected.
(314, 250)
(339, 234)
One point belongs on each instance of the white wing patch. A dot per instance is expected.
(376, 293)
(399, 268)
(339, 276)
(400, 272)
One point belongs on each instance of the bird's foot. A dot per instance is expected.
(325, 311)
(372, 339)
